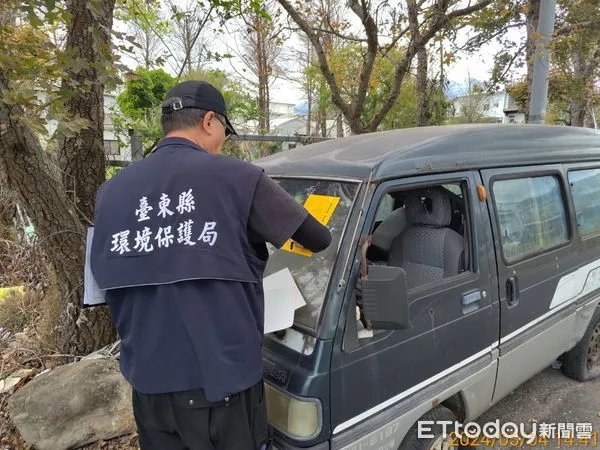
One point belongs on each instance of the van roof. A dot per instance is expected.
(445, 148)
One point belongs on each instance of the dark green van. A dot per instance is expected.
(473, 255)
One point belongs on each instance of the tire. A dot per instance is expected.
(582, 362)
(411, 440)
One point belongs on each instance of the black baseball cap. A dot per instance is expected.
(200, 95)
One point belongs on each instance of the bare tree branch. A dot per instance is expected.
(321, 56)
(578, 26)
(480, 39)
(512, 61)
(370, 26)
(388, 48)
(444, 18)
(436, 19)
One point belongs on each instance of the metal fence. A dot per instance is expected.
(137, 150)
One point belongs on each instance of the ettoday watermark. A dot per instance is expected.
(529, 433)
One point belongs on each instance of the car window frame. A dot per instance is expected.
(580, 168)
(527, 172)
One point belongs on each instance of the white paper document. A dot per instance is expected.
(282, 299)
(92, 295)
(282, 296)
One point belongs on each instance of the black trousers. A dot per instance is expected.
(186, 420)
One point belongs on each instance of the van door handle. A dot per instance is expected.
(512, 291)
(470, 301)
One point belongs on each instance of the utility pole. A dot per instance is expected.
(541, 65)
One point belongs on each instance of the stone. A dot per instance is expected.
(13, 379)
(74, 405)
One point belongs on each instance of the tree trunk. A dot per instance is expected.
(262, 65)
(579, 113)
(309, 90)
(28, 171)
(323, 121)
(60, 203)
(148, 44)
(422, 106)
(340, 125)
(82, 156)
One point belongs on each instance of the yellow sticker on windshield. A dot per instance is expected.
(322, 208)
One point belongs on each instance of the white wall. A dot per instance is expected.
(497, 105)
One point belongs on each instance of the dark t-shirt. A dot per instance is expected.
(275, 215)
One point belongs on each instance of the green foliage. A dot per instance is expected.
(241, 105)
(144, 92)
(139, 104)
(463, 120)
(111, 170)
(42, 73)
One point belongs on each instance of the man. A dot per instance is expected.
(180, 245)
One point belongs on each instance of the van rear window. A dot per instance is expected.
(531, 214)
(585, 187)
(312, 272)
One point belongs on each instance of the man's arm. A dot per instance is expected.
(276, 217)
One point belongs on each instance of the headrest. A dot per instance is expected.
(430, 206)
(390, 229)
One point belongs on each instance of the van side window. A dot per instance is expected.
(585, 187)
(424, 231)
(532, 215)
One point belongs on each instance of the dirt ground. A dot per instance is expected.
(549, 397)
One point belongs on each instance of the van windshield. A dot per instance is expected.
(311, 272)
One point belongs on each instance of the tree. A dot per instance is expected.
(139, 105)
(262, 40)
(573, 47)
(377, 19)
(58, 198)
(189, 23)
(576, 59)
(39, 80)
(143, 91)
(147, 30)
(345, 63)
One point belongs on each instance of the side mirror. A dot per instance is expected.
(385, 298)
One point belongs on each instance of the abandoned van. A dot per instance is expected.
(465, 259)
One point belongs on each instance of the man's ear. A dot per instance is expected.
(207, 122)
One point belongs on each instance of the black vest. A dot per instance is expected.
(180, 214)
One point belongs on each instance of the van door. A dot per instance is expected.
(453, 314)
(533, 248)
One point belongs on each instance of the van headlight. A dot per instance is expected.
(297, 418)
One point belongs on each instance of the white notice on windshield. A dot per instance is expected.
(282, 299)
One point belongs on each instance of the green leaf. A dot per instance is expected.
(34, 20)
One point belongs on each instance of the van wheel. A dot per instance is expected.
(437, 442)
(582, 362)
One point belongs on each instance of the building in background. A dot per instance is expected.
(482, 107)
(115, 144)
